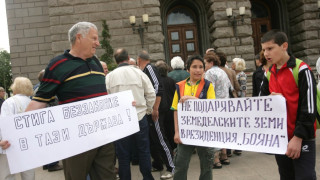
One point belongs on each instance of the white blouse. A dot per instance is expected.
(14, 105)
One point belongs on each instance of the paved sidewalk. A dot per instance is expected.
(248, 166)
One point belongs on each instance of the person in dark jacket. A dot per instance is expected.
(258, 75)
(165, 114)
(299, 160)
(160, 148)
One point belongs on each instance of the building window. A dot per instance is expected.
(180, 16)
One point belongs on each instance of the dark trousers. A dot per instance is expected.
(124, 150)
(134, 152)
(182, 160)
(168, 123)
(98, 163)
(160, 148)
(299, 169)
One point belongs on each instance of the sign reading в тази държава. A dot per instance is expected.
(47, 135)
(253, 124)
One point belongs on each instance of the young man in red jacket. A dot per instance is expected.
(299, 161)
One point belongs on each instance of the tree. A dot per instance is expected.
(5, 70)
(105, 44)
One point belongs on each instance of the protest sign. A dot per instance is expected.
(47, 135)
(253, 124)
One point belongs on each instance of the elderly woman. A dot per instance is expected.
(239, 66)
(22, 89)
(178, 74)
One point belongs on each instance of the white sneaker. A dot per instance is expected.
(166, 175)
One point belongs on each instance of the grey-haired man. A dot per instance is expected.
(73, 76)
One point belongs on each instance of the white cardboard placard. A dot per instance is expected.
(253, 124)
(47, 135)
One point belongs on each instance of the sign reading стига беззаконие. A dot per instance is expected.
(47, 135)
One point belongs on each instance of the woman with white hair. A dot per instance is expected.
(239, 65)
(22, 90)
(178, 74)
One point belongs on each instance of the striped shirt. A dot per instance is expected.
(71, 79)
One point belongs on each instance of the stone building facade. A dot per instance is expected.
(38, 28)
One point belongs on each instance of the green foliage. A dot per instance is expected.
(107, 57)
(5, 70)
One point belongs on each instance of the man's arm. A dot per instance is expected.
(304, 128)
(149, 93)
(154, 77)
(158, 87)
(155, 111)
(34, 105)
(176, 128)
(307, 105)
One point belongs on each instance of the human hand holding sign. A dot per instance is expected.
(184, 98)
(4, 144)
(177, 138)
(274, 93)
(176, 129)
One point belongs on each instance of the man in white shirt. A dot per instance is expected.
(128, 77)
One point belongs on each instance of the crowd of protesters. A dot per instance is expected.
(157, 90)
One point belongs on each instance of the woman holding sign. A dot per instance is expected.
(195, 87)
(22, 89)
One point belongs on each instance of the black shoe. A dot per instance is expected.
(155, 169)
(237, 152)
(56, 167)
(45, 167)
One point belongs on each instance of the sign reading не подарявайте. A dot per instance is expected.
(47, 135)
(254, 124)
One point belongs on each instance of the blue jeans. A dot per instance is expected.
(182, 160)
(124, 150)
